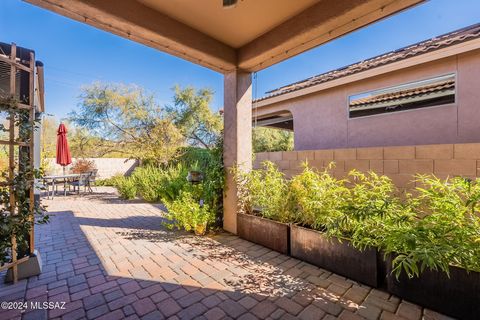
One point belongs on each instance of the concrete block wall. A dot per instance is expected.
(400, 163)
(107, 167)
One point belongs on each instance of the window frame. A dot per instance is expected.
(449, 74)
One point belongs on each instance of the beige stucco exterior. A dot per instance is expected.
(400, 163)
(237, 146)
(321, 118)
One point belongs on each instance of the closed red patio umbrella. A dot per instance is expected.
(63, 152)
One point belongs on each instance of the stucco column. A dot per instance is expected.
(237, 145)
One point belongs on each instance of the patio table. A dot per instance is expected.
(53, 179)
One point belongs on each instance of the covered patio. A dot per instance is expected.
(107, 258)
(235, 39)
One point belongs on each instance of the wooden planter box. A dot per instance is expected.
(265, 232)
(457, 296)
(331, 254)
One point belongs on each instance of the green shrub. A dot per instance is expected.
(147, 180)
(108, 182)
(155, 184)
(172, 182)
(264, 190)
(371, 202)
(186, 212)
(370, 195)
(443, 229)
(435, 227)
(126, 187)
(190, 156)
(214, 182)
(317, 199)
(183, 199)
(169, 185)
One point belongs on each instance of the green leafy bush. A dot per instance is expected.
(265, 139)
(350, 208)
(214, 182)
(186, 212)
(19, 224)
(169, 185)
(317, 199)
(172, 181)
(370, 204)
(108, 182)
(196, 207)
(126, 187)
(370, 195)
(443, 228)
(153, 184)
(264, 191)
(435, 227)
(147, 180)
(190, 156)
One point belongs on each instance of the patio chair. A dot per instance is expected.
(81, 182)
(91, 180)
(55, 185)
(44, 186)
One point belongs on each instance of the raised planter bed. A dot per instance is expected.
(457, 296)
(331, 254)
(265, 232)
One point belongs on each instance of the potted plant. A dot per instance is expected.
(195, 175)
(200, 229)
(264, 216)
(332, 218)
(433, 256)
(266, 232)
(335, 254)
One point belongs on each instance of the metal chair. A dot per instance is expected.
(92, 179)
(83, 181)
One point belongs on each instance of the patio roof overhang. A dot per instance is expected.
(251, 36)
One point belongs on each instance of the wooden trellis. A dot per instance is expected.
(16, 107)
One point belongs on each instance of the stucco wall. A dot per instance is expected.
(400, 163)
(107, 167)
(321, 119)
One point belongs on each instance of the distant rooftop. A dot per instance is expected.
(436, 43)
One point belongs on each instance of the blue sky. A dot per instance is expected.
(76, 54)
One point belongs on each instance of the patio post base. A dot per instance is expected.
(31, 267)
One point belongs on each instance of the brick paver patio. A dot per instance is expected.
(111, 259)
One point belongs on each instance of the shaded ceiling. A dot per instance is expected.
(235, 26)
